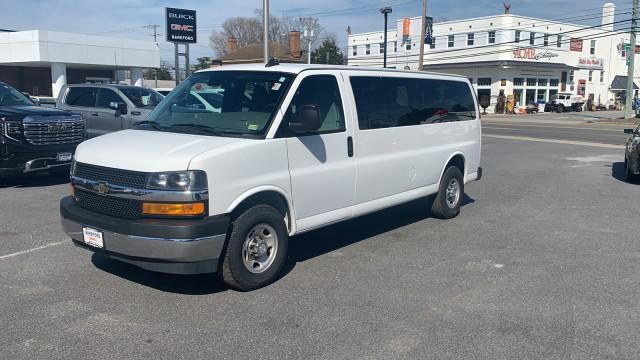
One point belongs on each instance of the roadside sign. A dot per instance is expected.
(428, 34)
(181, 26)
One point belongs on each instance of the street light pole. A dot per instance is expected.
(385, 11)
(265, 23)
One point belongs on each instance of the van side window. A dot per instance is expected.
(81, 96)
(323, 93)
(383, 102)
(106, 97)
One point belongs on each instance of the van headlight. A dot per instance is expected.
(193, 180)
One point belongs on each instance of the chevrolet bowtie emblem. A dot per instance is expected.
(101, 188)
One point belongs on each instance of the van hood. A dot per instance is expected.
(147, 151)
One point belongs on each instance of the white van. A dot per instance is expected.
(288, 149)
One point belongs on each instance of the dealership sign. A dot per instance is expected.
(590, 63)
(181, 26)
(533, 54)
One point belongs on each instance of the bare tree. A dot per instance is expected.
(248, 31)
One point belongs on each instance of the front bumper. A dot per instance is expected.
(21, 158)
(177, 246)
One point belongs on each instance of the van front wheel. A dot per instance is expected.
(450, 196)
(256, 249)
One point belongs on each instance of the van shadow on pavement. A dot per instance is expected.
(35, 180)
(618, 172)
(301, 248)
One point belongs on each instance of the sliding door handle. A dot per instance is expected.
(350, 146)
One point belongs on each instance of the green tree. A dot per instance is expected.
(327, 53)
(163, 73)
(203, 63)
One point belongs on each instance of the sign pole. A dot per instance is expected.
(177, 63)
(187, 64)
(628, 111)
(422, 35)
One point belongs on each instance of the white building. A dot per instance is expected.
(530, 58)
(41, 62)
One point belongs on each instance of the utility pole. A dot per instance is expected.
(265, 29)
(628, 111)
(422, 34)
(155, 40)
(309, 33)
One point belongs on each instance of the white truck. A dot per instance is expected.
(288, 149)
(563, 102)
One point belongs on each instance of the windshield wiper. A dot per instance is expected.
(202, 128)
(153, 124)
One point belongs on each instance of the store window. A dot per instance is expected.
(408, 46)
(592, 48)
(542, 95)
(484, 81)
(367, 50)
(546, 39)
(492, 37)
(531, 81)
(381, 48)
(542, 82)
(602, 76)
(354, 51)
(518, 82)
(433, 43)
(518, 36)
(395, 46)
(554, 82)
(590, 75)
(532, 38)
(559, 41)
(571, 76)
(451, 41)
(470, 39)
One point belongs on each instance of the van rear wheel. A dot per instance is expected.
(448, 201)
(256, 249)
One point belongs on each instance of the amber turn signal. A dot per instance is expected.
(188, 209)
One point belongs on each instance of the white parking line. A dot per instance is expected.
(34, 249)
(555, 141)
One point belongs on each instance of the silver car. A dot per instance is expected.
(108, 107)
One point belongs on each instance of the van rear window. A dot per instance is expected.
(384, 102)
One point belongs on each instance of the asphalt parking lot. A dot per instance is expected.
(542, 263)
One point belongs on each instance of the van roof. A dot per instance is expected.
(298, 68)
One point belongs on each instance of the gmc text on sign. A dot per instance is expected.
(181, 26)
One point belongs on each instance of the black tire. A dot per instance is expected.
(560, 108)
(232, 268)
(441, 208)
(631, 177)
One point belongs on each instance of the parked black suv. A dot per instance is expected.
(34, 138)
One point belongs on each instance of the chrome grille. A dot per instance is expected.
(53, 130)
(116, 207)
(130, 179)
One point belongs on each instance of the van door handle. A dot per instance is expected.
(350, 146)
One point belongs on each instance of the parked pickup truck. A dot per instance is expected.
(34, 138)
(108, 107)
(563, 102)
(217, 182)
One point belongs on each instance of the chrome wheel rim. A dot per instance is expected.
(260, 248)
(452, 195)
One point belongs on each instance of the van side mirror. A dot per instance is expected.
(119, 107)
(629, 131)
(307, 119)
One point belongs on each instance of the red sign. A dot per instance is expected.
(576, 45)
(406, 27)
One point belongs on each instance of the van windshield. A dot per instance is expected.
(222, 103)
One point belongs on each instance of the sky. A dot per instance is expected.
(126, 18)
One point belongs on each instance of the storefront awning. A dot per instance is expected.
(505, 64)
(619, 83)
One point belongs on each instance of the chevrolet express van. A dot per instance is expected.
(200, 187)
